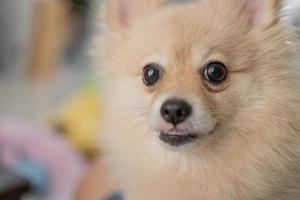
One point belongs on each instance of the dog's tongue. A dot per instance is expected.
(170, 130)
(177, 133)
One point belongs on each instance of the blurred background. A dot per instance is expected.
(49, 101)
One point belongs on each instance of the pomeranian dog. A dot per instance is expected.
(201, 100)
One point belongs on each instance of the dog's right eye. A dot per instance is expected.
(152, 74)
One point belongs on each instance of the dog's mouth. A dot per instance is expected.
(176, 140)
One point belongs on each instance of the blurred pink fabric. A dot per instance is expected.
(63, 163)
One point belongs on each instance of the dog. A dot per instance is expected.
(201, 100)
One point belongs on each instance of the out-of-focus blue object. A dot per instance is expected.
(34, 172)
(116, 196)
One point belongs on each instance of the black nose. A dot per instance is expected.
(175, 111)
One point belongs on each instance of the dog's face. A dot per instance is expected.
(189, 75)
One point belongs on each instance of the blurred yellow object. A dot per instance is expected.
(79, 119)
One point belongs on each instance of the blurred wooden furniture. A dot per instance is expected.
(50, 21)
(12, 187)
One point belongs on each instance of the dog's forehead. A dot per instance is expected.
(184, 36)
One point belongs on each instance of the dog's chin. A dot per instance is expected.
(178, 139)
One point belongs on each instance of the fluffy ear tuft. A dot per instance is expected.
(121, 13)
(263, 12)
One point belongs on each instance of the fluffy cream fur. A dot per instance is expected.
(254, 152)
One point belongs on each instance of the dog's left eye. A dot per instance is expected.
(215, 72)
(152, 74)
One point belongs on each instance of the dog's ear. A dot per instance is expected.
(262, 13)
(120, 14)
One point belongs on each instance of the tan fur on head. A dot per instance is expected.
(253, 151)
(120, 14)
